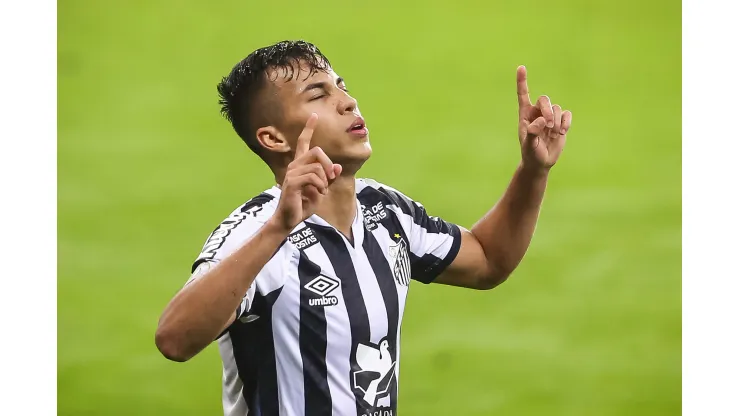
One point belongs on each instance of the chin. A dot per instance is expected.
(364, 153)
(353, 159)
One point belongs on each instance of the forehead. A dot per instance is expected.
(294, 79)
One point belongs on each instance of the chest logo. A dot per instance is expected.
(401, 265)
(303, 239)
(323, 285)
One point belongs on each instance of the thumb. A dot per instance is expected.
(537, 127)
(534, 130)
(337, 169)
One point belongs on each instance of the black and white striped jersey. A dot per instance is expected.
(318, 332)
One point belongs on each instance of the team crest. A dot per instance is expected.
(401, 265)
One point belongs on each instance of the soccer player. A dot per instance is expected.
(304, 285)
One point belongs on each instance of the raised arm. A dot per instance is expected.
(496, 244)
(207, 305)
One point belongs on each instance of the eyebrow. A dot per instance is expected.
(320, 85)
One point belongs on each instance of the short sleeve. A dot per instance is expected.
(228, 237)
(433, 242)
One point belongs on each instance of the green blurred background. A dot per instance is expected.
(588, 325)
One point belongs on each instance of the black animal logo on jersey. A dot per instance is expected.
(401, 264)
(377, 370)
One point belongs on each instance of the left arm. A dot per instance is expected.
(493, 248)
(496, 244)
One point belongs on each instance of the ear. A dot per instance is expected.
(272, 139)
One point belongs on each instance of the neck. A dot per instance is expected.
(338, 207)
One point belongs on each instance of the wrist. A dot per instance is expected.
(276, 228)
(533, 169)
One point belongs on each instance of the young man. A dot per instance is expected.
(304, 286)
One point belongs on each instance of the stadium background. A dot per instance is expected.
(588, 325)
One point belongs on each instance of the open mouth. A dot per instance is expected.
(358, 126)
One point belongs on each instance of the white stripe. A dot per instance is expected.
(338, 340)
(371, 294)
(231, 395)
(384, 240)
(440, 244)
(402, 293)
(414, 232)
(285, 332)
(363, 183)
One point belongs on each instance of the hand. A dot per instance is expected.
(542, 127)
(306, 181)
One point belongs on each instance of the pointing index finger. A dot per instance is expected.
(304, 140)
(522, 90)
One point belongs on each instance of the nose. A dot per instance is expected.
(347, 105)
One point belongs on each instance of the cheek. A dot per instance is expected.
(320, 107)
(295, 122)
(330, 128)
(326, 133)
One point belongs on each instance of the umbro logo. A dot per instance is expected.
(322, 285)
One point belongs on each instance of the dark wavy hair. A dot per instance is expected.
(239, 90)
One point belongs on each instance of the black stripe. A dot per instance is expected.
(268, 386)
(254, 353)
(390, 297)
(312, 341)
(254, 205)
(244, 339)
(341, 261)
(407, 205)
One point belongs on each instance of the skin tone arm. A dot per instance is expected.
(496, 244)
(202, 309)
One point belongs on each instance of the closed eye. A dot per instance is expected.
(317, 97)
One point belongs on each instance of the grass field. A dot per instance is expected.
(588, 325)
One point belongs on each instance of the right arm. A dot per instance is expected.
(206, 306)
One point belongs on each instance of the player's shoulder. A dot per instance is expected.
(374, 191)
(244, 221)
(256, 209)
